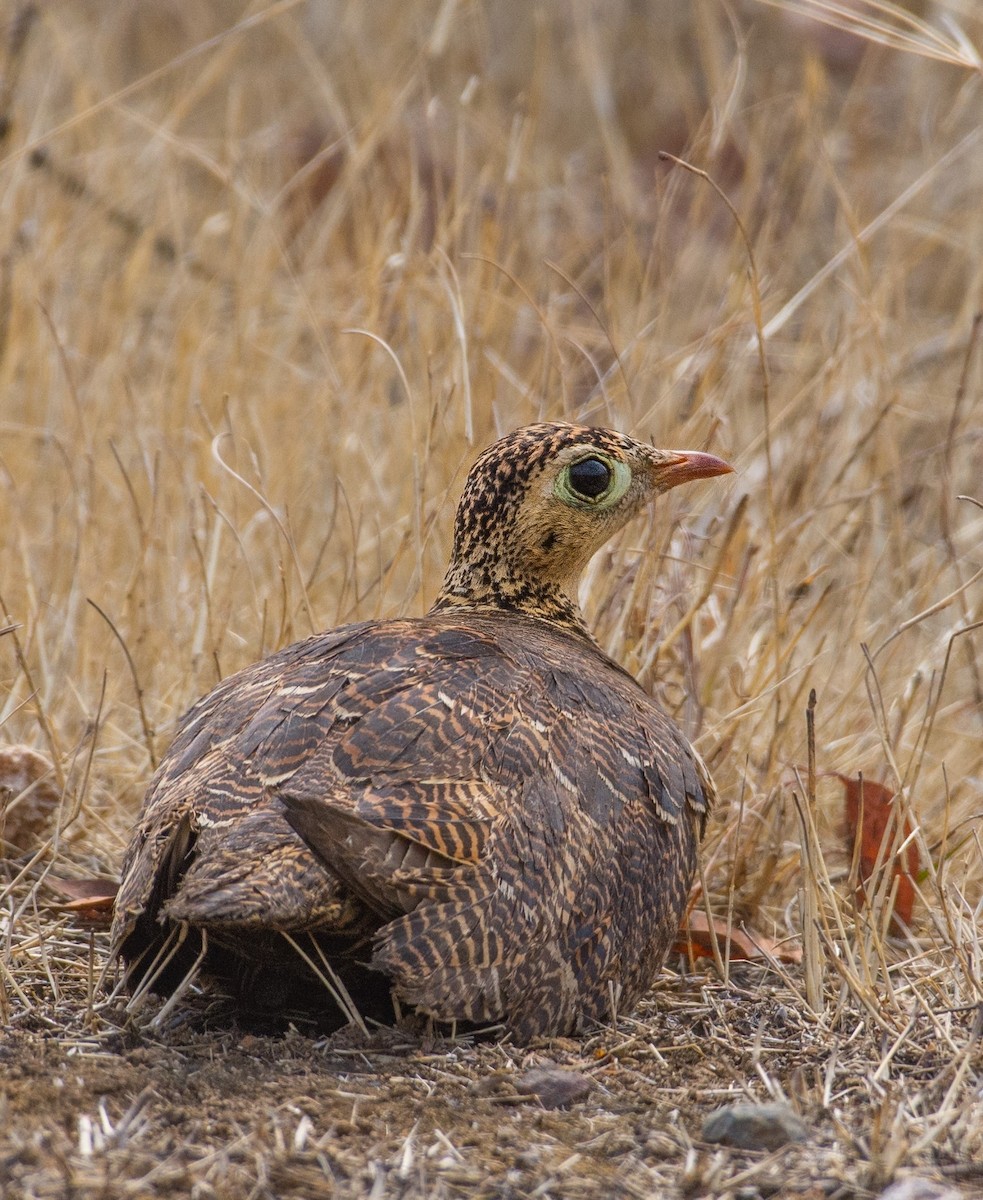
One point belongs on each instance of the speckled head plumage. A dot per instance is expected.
(540, 502)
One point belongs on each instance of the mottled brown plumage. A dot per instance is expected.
(477, 808)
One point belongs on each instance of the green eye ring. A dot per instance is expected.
(593, 480)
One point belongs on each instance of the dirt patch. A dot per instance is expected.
(94, 1104)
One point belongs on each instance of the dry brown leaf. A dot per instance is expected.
(88, 900)
(695, 940)
(29, 798)
(871, 818)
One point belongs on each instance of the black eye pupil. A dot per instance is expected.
(590, 477)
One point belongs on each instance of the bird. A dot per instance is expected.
(474, 818)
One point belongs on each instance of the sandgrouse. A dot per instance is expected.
(475, 814)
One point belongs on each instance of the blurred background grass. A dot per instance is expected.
(272, 274)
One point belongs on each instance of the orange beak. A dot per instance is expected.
(682, 466)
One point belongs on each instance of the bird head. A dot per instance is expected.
(540, 502)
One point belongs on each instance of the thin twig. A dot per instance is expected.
(148, 733)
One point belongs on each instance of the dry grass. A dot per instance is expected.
(227, 420)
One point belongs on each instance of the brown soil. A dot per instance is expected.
(94, 1104)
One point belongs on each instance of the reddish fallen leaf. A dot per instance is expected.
(871, 821)
(29, 799)
(738, 945)
(88, 900)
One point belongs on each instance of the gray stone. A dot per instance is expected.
(754, 1126)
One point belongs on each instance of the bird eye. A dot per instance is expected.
(589, 478)
(595, 481)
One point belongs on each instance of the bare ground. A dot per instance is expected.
(94, 1103)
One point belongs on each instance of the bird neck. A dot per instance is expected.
(487, 582)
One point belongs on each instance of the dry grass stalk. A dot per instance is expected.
(889, 25)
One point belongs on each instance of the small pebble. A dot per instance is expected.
(914, 1188)
(754, 1126)
(553, 1087)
